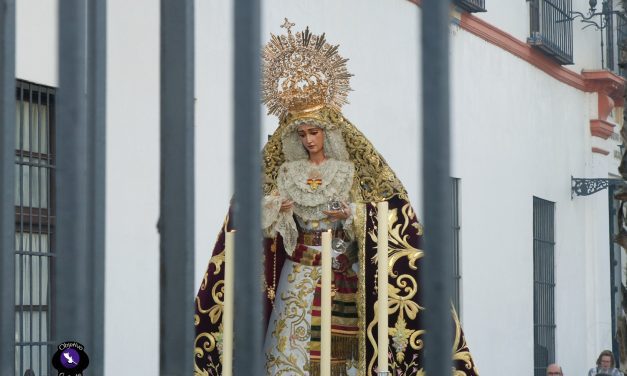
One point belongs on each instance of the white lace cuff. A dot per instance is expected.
(273, 221)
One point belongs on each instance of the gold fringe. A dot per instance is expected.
(338, 368)
(344, 350)
(344, 347)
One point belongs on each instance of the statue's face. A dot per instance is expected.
(312, 138)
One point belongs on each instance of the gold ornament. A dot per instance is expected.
(303, 73)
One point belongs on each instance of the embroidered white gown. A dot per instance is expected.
(289, 329)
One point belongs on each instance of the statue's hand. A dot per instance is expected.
(335, 215)
(286, 205)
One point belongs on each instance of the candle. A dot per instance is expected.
(382, 277)
(227, 318)
(325, 306)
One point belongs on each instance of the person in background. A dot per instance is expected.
(605, 365)
(554, 370)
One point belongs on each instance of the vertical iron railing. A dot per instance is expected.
(552, 28)
(72, 264)
(437, 272)
(457, 272)
(471, 5)
(247, 186)
(96, 123)
(7, 181)
(79, 188)
(543, 284)
(176, 222)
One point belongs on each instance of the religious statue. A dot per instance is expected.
(321, 174)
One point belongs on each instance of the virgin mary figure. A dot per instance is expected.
(321, 174)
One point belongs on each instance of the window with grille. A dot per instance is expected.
(543, 284)
(471, 5)
(551, 28)
(34, 227)
(456, 247)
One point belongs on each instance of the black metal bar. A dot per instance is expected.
(51, 207)
(7, 186)
(586, 186)
(456, 245)
(30, 224)
(96, 113)
(20, 265)
(471, 5)
(38, 148)
(73, 282)
(437, 272)
(39, 225)
(247, 204)
(544, 284)
(176, 223)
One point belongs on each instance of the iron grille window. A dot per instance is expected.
(34, 227)
(471, 5)
(543, 285)
(552, 29)
(456, 250)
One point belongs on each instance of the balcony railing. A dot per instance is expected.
(471, 5)
(552, 29)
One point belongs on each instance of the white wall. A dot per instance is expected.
(214, 119)
(519, 133)
(36, 41)
(132, 242)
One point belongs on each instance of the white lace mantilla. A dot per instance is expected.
(337, 179)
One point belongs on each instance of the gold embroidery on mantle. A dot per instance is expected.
(460, 348)
(402, 290)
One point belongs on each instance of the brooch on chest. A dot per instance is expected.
(314, 179)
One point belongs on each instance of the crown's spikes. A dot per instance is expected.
(331, 51)
(320, 42)
(306, 37)
(302, 71)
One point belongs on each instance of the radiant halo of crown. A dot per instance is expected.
(302, 73)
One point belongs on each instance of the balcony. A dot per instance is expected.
(552, 29)
(471, 5)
